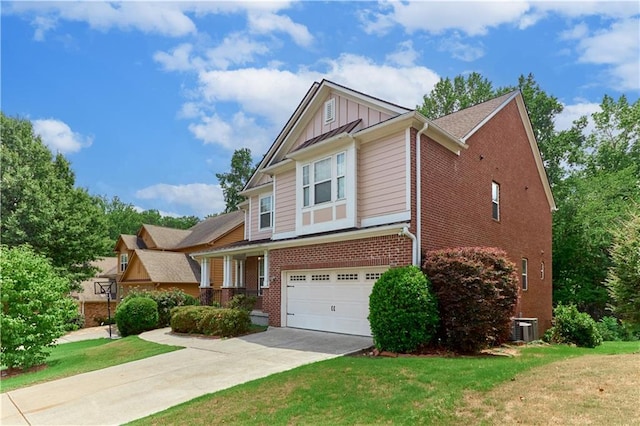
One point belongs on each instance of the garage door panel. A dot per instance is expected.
(331, 300)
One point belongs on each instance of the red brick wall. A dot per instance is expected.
(96, 310)
(391, 250)
(457, 208)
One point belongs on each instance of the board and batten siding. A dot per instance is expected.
(285, 197)
(346, 111)
(381, 177)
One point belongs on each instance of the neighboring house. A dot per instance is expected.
(157, 258)
(336, 201)
(92, 299)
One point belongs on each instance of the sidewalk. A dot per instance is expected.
(90, 333)
(126, 392)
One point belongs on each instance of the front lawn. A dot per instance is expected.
(68, 359)
(374, 390)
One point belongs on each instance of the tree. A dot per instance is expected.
(450, 96)
(233, 181)
(35, 306)
(623, 279)
(42, 207)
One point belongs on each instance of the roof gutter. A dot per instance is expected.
(418, 241)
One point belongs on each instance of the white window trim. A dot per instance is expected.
(330, 111)
(124, 262)
(495, 201)
(260, 213)
(525, 273)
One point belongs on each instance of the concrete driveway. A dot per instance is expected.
(126, 392)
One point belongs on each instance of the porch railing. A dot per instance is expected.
(210, 295)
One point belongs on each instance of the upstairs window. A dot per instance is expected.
(525, 278)
(124, 261)
(266, 212)
(324, 180)
(495, 200)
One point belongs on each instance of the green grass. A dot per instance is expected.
(365, 390)
(68, 359)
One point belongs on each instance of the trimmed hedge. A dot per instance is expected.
(477, 291)
(210, 321)
(136, 315)
(166, 300)
(402, 312)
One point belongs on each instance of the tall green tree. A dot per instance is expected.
(234, 180)
(42, 207)
(449, 96)
(623, 279)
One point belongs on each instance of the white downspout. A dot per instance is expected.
(416, 256)
(418, 242)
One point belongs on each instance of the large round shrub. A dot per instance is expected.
(402, 312)
(573, 326)
(477, 291)
(166, 300)
(136, 315)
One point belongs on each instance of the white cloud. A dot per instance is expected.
(572, 112)
(240, 131)
(235, 49)
(576, 33)
(619, 48)
(201, 198)
(178, 59)
(460, 50)
(268, 22)
(58, 136)
(405, 55)
(471, 18)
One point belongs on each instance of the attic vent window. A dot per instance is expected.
(330, 111)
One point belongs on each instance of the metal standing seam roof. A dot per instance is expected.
(169, 267)
(460, 123)
(346, 128)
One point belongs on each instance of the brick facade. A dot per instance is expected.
(94, 312)
(390, 250)
(457, 208)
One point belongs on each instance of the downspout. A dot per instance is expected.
(416, 257)
(418, 242)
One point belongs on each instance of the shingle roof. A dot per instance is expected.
(132, 242)
(460, 123)
(347, 128)
(211, 229)
(166, 238)
(169, 267)
(106, 269)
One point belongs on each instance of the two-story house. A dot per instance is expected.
(354, 185)
(157, 257)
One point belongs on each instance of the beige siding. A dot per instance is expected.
(135, 271)
(346, 112)
(285, 220)
(256, 233)
(381, 177)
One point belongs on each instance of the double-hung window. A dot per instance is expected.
(525, 277)
(324, 180)
(495, 200)
(124, 261)
(266, 212)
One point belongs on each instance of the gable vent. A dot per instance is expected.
(330, 111)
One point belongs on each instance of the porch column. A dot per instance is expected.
(241, 273)
(226, 271)
(205, 274)
(267, 280)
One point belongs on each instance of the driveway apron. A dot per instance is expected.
(126, 392)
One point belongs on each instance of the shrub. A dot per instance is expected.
(35, 307)
(241, 301)
(402, 312)
(573, 326)
(210, 321)
(136, 315)
(166, 300)
(477, 291)
(186, 319)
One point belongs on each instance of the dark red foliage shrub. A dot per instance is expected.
(477, 291)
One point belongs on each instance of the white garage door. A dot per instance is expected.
(330, 299)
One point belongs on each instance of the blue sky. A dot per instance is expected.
(148, 100)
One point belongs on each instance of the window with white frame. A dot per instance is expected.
(319, 179)
(124, 261)
(495, 200)
(266, 212)
(261, 281)
(541, 270)
(525, 278)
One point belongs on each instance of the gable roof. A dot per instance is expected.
(165, 238)
(463, 123)
(131, 242)
(167, 266)
(107, 267)
(212, 228)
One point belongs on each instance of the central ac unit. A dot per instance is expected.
(524, 329)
